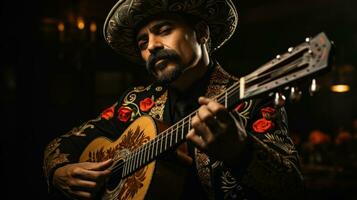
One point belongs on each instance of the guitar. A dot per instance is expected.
(134, 165)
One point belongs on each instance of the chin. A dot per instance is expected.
(169, 74)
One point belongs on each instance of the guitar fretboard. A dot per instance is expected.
(171, 137)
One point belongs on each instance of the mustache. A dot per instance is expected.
(167, 54)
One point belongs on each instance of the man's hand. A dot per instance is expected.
(215, 132)
(82, 180)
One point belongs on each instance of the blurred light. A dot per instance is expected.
(60, 27)
(80, 23)
(93, 27)
(340, 88)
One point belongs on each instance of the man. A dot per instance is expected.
(241, 154)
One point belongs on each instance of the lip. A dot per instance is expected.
(160, 64)
(159, 61)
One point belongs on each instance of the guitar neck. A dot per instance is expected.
(173, 136)
(299, 62)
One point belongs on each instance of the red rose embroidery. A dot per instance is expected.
(108, 113)
(146, 104)
(262, 125)
(124, 113)
(268, 112)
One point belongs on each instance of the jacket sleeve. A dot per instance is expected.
(68, 147)
(269, 166)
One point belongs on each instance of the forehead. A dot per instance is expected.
(174, 19)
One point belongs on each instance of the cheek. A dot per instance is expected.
(145, 55)
(189, 49)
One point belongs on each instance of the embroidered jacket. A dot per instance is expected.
(269, 168)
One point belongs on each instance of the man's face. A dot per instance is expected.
(168, 46)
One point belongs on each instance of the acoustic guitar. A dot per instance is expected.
(135, 152)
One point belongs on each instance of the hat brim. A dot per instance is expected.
(120, 25)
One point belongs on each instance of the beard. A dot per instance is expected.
(163, 73)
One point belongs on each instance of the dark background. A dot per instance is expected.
(51, 83)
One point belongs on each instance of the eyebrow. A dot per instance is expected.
(154, 28)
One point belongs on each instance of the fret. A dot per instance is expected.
(225, 99)
(182, 128)
(189, 122)
(125, 168)
(134, 159)
(144, 152)
(133, 162)
(171, 133)
(176, 132)
(140, 156)
(161, 143)
(165, 140)
(156, 146)
(148, 152)
(137, 160)
(152, 149)
(130, 163)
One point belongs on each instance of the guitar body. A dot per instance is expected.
(153, 181)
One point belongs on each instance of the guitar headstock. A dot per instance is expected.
(298, 63)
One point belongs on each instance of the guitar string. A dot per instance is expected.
(161, 136)
(232, 90)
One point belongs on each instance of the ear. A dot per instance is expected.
(202, 32)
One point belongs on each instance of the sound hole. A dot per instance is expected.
(115, 176)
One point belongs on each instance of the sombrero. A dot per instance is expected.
(121, 23)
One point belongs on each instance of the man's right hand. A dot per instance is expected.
(82, 180)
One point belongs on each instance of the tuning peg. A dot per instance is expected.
(278, 57)
(314, 88)
(295, 94)
(279, 99)
(307, 40)
(290, 50)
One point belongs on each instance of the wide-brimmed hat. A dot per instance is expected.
(121, 24)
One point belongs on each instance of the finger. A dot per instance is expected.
(100, 166)
(219, 111)
(207, 117)
(196, 139)
(204, 100)
(201, 129)
(79, 194)
(215, 108)
(88, 185)
(204, 114)
(90, 174)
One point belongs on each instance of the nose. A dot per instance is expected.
(155, 44)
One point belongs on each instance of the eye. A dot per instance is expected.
(142, 44)
(165, 29)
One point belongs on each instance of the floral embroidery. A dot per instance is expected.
(230, 186)
(79, 131)
(108, 113)
(268, 113)
(262, 125)
(243, 110)
(157, 111)
(146, 104)
(279, 139)
(125, 113)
